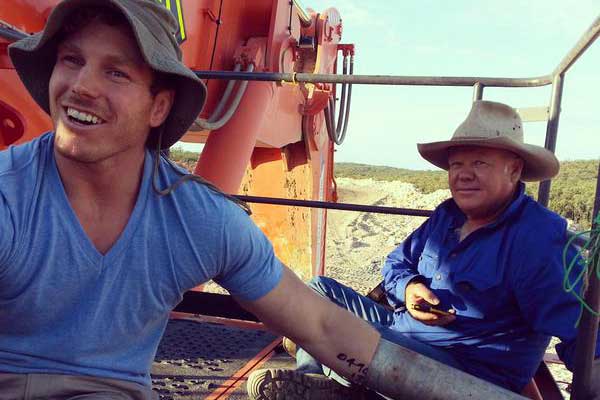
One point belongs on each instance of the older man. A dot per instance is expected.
(479, 285)
(92, 260)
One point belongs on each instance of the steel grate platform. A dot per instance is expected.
(195, 358)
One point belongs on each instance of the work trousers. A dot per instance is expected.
(70, 387)
(378, 316)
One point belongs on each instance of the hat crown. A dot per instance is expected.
(160, 22)
(154, 28)
(497, 126)
(489, 119)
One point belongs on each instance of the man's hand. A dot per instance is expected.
(418, 293)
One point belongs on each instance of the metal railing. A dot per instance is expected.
(586, 341)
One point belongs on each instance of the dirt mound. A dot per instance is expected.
(358, 242)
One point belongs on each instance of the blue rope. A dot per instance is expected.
(585, 257)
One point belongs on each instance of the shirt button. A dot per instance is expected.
(464, 286)
(438, 277)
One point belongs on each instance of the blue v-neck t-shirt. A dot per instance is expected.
(65, 308)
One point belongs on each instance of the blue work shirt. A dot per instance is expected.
(505, 282)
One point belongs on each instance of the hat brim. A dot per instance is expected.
(34, 58)
(539, 163)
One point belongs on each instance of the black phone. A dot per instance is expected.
(430, 308)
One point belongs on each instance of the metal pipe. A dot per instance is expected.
(584, 42)
(335, 206)
(377, 79)
(551, 132)
(11, 34)
(477, 91)
(400, 373)
(588, 328)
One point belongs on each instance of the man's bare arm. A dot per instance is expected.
(333, 335)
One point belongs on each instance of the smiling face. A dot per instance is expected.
(482, 180)
(100, 98)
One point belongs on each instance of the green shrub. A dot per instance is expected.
(571, 195)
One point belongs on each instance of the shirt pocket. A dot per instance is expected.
(481, 296)
(428, 263)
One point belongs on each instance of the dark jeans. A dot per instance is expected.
(380, 318)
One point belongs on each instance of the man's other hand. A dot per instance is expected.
(418, 293)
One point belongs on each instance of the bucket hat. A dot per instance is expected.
(495, 125)
(154, 28)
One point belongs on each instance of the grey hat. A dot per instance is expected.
(154, 28)
(495, 125)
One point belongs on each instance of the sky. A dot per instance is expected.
(486, 38)
(500, 38)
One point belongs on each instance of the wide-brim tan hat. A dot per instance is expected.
(495, 125)
(154, 28)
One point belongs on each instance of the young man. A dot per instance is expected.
(479, 286)
(92, 260)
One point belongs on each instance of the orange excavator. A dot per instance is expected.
(276, 108)
(267, 138)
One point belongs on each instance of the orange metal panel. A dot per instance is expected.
(30, 115)
(268, 125)
(228, 150)
(288, 228)
(26, 15)
(239, 20)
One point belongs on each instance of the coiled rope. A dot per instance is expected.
(588, 258)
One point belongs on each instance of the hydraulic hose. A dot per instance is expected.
(213, 123)
(219, 109)
(336, 130)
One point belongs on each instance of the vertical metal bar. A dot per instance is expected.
(588, 327)
(477, 91)
(596, 200)
(551, 132)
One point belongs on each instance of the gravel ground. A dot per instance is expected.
(357, 242)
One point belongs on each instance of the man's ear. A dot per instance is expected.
(161, 106)
(516, 169)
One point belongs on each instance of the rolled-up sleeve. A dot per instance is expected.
(400, 266)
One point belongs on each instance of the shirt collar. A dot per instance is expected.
(459, 218)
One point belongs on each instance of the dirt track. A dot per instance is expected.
(358, 242)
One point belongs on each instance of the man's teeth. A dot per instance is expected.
(84, 117)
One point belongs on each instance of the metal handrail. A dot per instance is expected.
(582, 44)
(279, 201)
(377, 79)
(7, 31)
